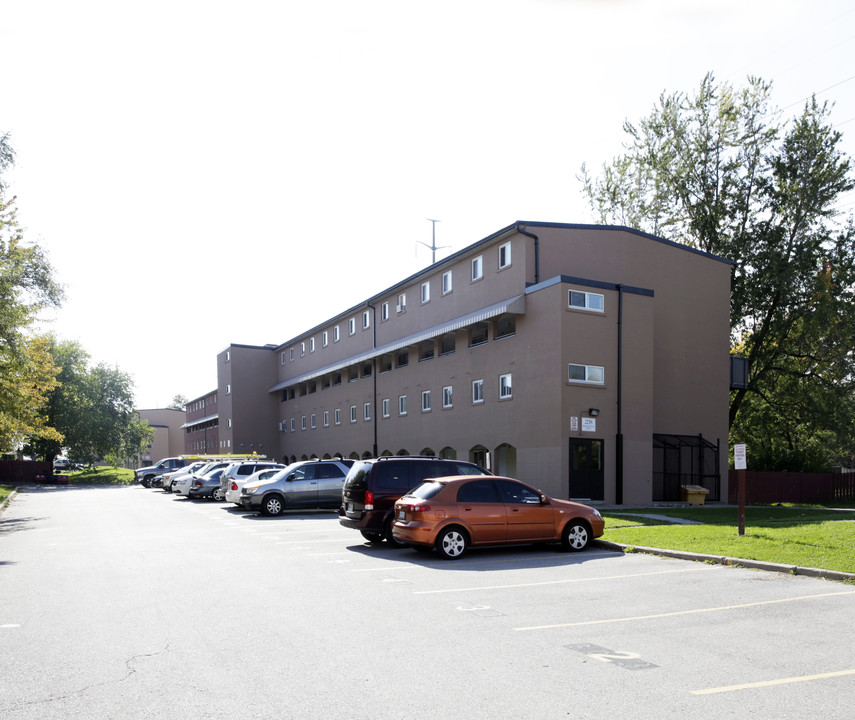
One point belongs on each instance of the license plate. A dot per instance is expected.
(402, 515)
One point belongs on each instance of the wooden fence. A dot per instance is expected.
(809, 488)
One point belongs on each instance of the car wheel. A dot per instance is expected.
(451, 543)
(218, 494)
(390, 538)
(372, 537)
(273, 506)
(576, 536)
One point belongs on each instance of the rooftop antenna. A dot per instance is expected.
(432, 246)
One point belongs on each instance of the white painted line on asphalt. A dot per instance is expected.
(771, 683)
(303, 542)
(557, 582)
(8, 626)
(694, 611)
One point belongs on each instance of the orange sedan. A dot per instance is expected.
(451, 514)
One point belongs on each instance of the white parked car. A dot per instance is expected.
(165, 481)
(237, 482)
(181, 485)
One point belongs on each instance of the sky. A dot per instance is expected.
(202, 173)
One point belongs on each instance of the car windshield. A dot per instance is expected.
(426, 490)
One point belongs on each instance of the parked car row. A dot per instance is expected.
(421, 502)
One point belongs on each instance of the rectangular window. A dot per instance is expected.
(477, 268)
(282, 358)
(402, 303)
(425, 292)
(335, 334)
(353, 413)
(314, 421)
(292, 424)
(228, 389)
(446, 283)
(478, 334)
(385, 407)
(425, 400)
(426, 350)
(447, 398)
(587, 373)
(505, 387)
(325, 338)
(312, 345)
(402, 405)
(447, 343)
(477, 391)
(403, 358)
(326, 418)
(506, 325)
(303, 422)
(585, 300)
(384, 311)
(351, 326)
(504, 255)
(337, 416)
(366, 319)
(366, 411)
(291, 354)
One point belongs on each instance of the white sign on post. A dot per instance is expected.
(739, 457)
(574, 424)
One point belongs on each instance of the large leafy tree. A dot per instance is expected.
(26, 287)
(721, 171)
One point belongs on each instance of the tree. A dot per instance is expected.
(178, 402)
(26, 288)
(719, 171)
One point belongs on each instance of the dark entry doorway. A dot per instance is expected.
(586, 469)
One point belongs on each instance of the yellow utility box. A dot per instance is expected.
(694, 494)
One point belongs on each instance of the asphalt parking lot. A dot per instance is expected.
(130, 603)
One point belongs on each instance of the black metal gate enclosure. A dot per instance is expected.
(684, 460)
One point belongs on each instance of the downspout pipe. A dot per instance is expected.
(619, 436)
(522, 231)
(374, 412)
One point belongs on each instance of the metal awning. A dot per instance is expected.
(515, 305)
(200, 421)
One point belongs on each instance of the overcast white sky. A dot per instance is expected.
(207, 173)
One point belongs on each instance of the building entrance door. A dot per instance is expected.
(586, 469)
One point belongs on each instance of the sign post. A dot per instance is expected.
(739, 464)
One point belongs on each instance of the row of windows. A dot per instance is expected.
(506, 392)
(201, 404)
(446, 283)
(503, 327)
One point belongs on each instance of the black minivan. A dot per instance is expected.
(372, 487)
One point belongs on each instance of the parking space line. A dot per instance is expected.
(558, 582)
(307, 541)
(694, 611)
(771, 683)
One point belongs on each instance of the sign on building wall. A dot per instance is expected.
(589, 425)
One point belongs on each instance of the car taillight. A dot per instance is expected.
(369, 500)
(419, 507)
(234, 485)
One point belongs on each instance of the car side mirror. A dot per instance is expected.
(544, 500)
(290, 478)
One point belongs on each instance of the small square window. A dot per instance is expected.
(593, 374)
(585, 300)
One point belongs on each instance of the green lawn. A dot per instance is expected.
(4, 493)
(102, 476)
(806, 537)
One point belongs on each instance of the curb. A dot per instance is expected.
(8, 499)
(734, 562)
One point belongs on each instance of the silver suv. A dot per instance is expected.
(306, 484)
(242, 469)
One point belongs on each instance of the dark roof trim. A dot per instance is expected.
(584, 282)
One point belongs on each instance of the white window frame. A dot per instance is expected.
(302, 349)
(402, 404)
(425, 292)
(336, 334)
(385, 406)
(477, 392)
(401, 306)
(303, 422)
(366, 411)
(425, 400)
(506, 386)
(448, 396)
(594, 374)
(291, 354)
(366, 319)
(353, 413)
(384, 311)
(325, 338)
(504, 255)
(326, 418)
(351, 326)
(337, 416)
(591, 301)
(312, 345)
(313, 421)
(477, 268)
(293, 425)
(447, 284)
